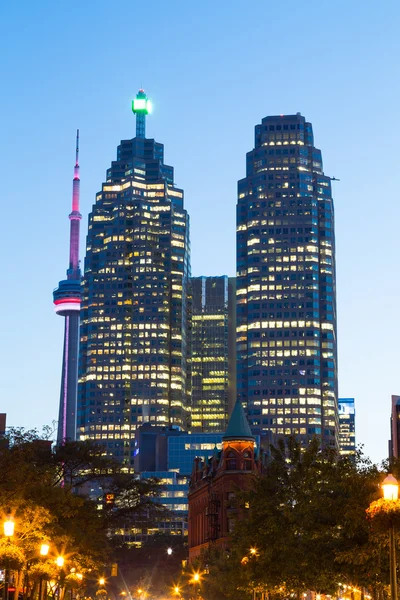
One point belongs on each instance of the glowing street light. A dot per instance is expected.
(8, 526)
(253, 551)
(102, 581)
(169, 551)
(390, 488)
(60, 561)
(44, 549)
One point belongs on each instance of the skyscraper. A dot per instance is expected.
(394, 442)
(213, 390)
(286, 294)
(134, 325)
(347, 426)
(67, 303)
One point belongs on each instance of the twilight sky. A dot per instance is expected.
(213, 70)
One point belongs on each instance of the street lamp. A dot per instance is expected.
(169, 551)
(102, 581)
(8, 528)
(196, 581)
(44, 550)
(60, 563)
(391, 493)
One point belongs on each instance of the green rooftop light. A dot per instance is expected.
(141, 106)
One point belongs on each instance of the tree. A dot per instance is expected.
(307, 525)
(40, 485)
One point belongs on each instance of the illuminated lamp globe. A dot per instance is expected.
(390, 488)
(9, 526)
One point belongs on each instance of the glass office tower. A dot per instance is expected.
(347, 426)
(286, 291)
(134, 319)
(210, 353)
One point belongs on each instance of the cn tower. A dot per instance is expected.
(67, 304)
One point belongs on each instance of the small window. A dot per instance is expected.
(247, 462)
(231, 461)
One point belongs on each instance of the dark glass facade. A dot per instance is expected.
(394, 442)
(286, 291)
(134, 320)
(210, 354)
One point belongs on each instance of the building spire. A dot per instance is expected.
(141, 106)
(75, 216)
(238, 425)
(77, 149)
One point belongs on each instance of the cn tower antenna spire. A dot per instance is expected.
(77, 149)
(141, 106)
(75, 216)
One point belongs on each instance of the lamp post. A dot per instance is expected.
(8, 528)
(44, 550)
(60, 563)
(391, 493)
(196, 581)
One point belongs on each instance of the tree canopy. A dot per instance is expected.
(44, 488)
(305, 528)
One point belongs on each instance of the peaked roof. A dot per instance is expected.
(238, 426)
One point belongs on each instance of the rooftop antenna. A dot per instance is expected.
(141, 106)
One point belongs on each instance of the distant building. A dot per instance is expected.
(286, 285)
(213, 484)
(213, 356)
(167, 454)
(164, 449)
(394, 442)
(174, 498)
(347, 426)
(3, 418)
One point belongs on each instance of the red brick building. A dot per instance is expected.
(213, 484)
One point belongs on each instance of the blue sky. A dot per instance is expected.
(213, 70)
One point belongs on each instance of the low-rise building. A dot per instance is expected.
(213, 483)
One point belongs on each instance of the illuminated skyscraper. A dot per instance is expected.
(347, 426)
(213, 331)
(134, 325)
(286, 290)
(67, 303)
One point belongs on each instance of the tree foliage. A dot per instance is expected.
(307, 526)
(43, 487)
